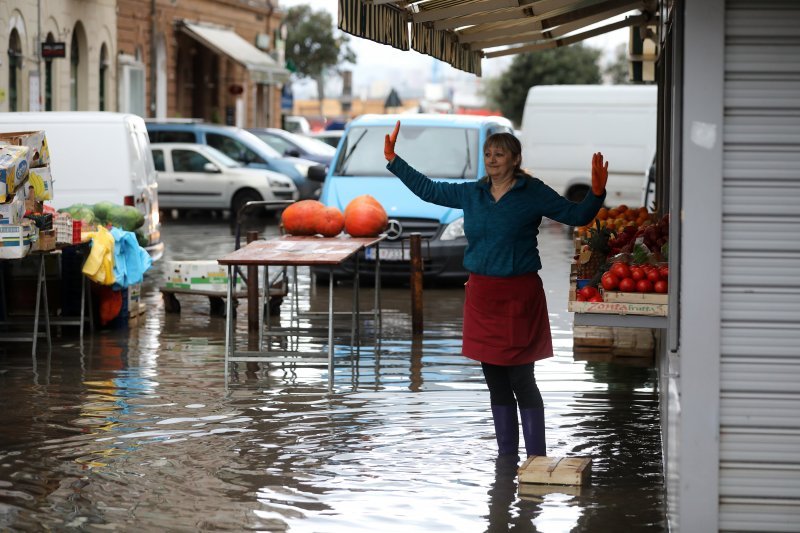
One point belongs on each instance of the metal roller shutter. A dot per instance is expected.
(760, 330)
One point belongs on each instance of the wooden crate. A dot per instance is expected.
(535, 492)
(633, 342)
(555, 470)
(593, 337)
(635, 297)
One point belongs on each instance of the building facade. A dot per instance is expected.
(204, 59)
(77, 69)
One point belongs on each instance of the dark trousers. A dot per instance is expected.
(511, 385)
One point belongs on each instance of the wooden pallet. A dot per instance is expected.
(555, 470)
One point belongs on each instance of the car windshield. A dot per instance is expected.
(267, 150)
(313, 146)
(434, 151)
(221, 158)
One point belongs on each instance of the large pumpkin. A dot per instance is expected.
(365, 217)
(329, 222)
(360, 200)
(300, 218)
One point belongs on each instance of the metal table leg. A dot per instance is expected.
(228, 318)
(330, 329)
(41, 296)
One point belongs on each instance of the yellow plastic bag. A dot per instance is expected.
(99, 266)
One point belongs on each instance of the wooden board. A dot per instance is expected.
(593, 336)
(636, 297)
(555, 470)
(298, 251)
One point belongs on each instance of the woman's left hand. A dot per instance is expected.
(599, 174)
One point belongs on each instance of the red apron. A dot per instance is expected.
(505, 320)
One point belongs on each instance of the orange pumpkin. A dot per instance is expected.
(300, 218)
(365, 219)
(363, 199)
(329, 222)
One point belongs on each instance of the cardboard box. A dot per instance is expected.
(13, 210)
(45, 241)
(13, 169)
(207, 276)
(555, 470)
(40, 183)
(16, 240)
(36, 143)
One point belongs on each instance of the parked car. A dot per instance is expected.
(331, 137)
(444, 147)
(99, 157)
(291, 144)
(297, 124)
(242, 146)
(196, 176)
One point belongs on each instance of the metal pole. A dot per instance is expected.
(416, 283)
(330, 329)
(228, 318)
(253, 312)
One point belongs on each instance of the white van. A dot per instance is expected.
(563, 125)
(96, 156)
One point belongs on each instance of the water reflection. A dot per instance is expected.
(133, 431)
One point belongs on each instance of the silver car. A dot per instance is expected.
(196, 176)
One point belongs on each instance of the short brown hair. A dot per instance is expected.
(508, 142)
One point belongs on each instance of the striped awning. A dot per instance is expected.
(461, 32)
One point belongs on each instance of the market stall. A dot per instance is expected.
(619, 280)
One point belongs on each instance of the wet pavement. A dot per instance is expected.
(135, 430)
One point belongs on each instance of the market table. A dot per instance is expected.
(294, 251)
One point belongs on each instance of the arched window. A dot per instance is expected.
(103, 75)
(48, 78)
(74, 62)
(14, 67)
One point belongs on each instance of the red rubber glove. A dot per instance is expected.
(388, 145)
(599, 174)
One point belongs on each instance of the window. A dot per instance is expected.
(158, 160)
(172, 137)
(188, 161)
(14, 66)
(438, 152)
(74, 61)
(48, 79)
(102, 78)
(276, 142)
(234, 149)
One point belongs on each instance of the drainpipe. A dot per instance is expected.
(153, 66)
(39, 54)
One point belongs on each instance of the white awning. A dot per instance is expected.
(262, 68)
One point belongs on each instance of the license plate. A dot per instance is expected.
(389, 254)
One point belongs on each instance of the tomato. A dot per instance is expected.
(627, 285)
(581, 298)
(653, 275)
(620, 270)
(637, 273)
(661, 287)
(596, 299)
(644, 285)
(610, 281)
(588, 292)
(663, 271)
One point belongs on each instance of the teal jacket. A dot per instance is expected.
(501, 236)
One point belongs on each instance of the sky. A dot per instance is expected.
(379, 64)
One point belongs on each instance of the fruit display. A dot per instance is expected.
(126, 217)
(300, 218)
(622, 264)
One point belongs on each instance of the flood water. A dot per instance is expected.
(135, 431)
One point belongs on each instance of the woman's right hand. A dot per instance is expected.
(388, 145)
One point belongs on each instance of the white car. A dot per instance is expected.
(197, 176)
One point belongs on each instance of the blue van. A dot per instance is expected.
(443, 147)
(242, 146)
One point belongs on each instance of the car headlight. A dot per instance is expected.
(302, 169)
(279, 183)
(454, 230)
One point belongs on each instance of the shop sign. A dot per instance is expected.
(52, 50)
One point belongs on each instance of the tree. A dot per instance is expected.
(574, 64)
(312, 48)
(617, 70)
